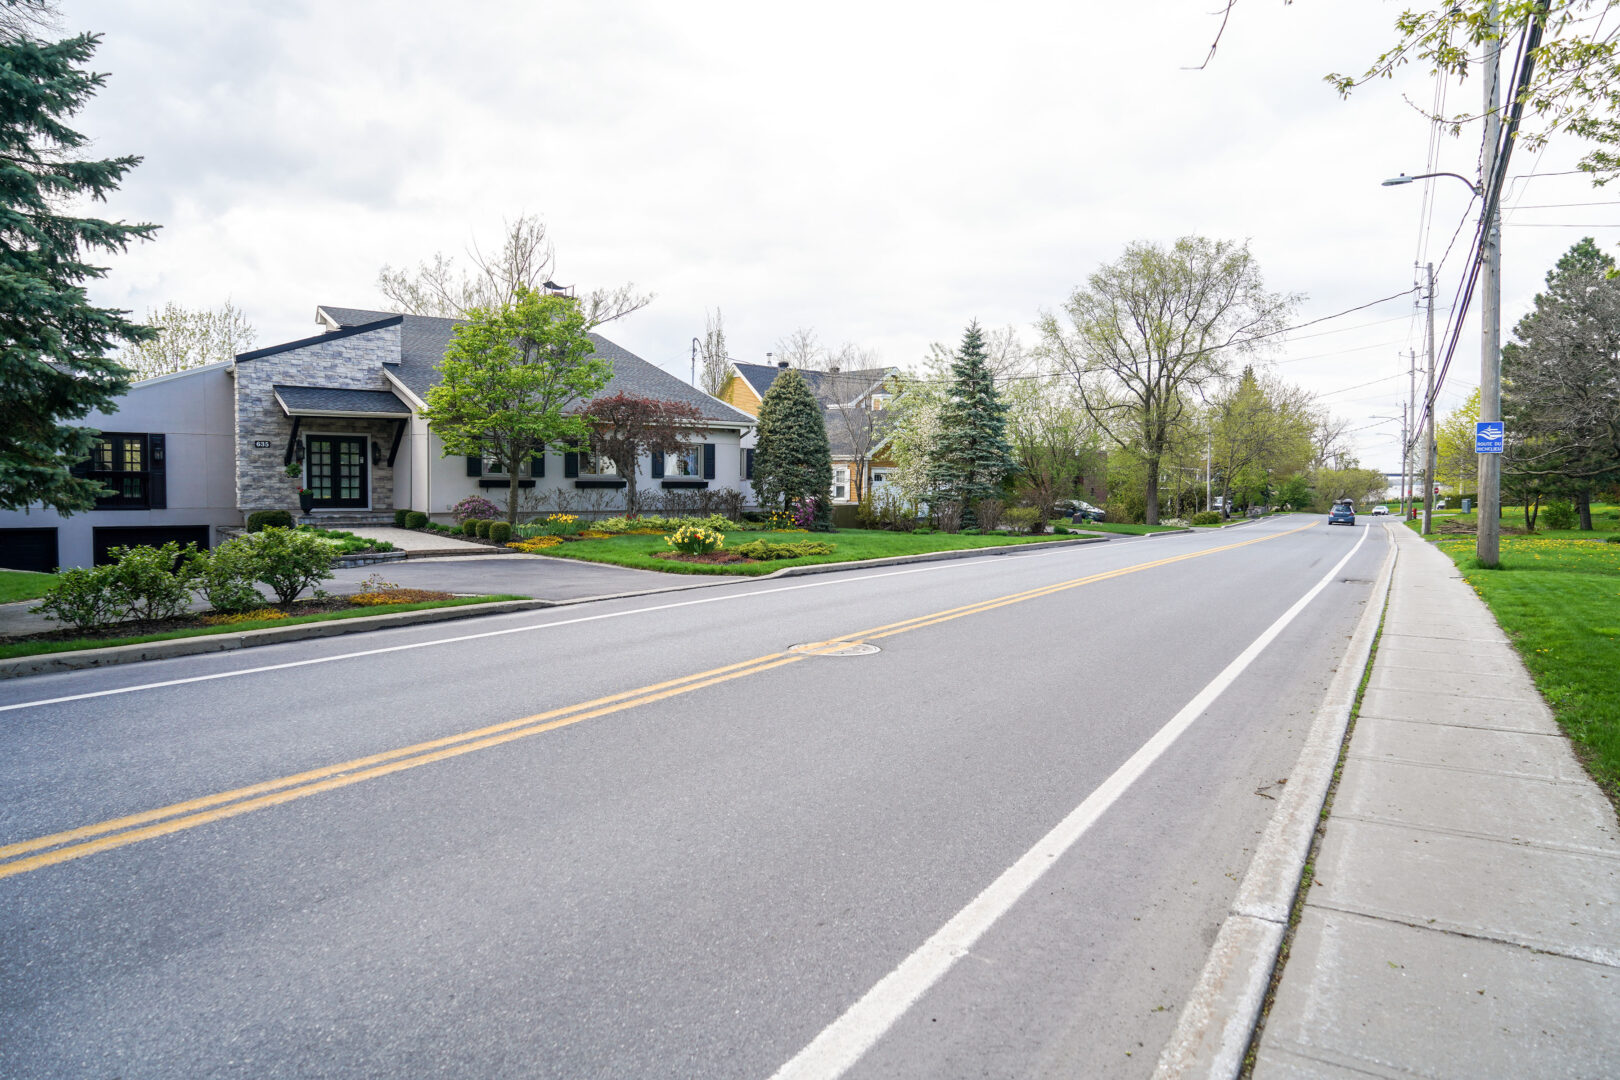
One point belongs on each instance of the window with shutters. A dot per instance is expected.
(591, 464)
(122, 464)
(685, 463)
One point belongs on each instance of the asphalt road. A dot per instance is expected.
(693, 879)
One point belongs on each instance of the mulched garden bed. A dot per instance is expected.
(713, 558)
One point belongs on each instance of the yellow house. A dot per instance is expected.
(853, 405)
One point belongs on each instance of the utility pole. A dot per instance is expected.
(1209, 501)
(1406, 457)
(1408, 429)
(1487, 542)
(1428, 416)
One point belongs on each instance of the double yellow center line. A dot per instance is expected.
(26, 855)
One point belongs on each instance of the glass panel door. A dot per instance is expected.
(337, 470)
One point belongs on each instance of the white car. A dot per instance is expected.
(1380, 511)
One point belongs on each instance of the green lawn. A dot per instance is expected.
(36, 648)
(1605, 522)
(850, 545)
(22, 585)
(1559, 600)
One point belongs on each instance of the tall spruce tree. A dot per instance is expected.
(792, 459)
(973, 456)
(54, 344)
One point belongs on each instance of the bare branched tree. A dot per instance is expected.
(856, 421)
(1156, 328)
(188, 338)
(716, 364)
(802, 349)
(25, 18)
(441, 288)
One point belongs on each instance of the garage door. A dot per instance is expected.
(152, 535)
(28, 549)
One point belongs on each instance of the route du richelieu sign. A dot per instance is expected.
(1488, 437)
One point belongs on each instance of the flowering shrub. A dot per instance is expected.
(555, 525)
(260, 615)
(695, 540)
(473, 506)
(804, 512)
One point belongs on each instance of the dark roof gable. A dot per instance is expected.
(424, 339)
(831, 387)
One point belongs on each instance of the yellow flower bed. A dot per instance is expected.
(261, 615)
(535, 543)
(695, 539)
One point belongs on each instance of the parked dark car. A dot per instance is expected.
(1343, 513)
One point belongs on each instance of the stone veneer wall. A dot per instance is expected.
(353, 362)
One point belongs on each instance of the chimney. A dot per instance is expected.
(783, 364)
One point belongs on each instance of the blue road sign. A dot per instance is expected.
(1488, 437)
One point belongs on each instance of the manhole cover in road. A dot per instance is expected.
(835, 648)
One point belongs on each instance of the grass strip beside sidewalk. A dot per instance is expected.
(40, 648)
(1559, 601)
(850, 545)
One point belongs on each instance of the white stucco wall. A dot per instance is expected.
(195, 411)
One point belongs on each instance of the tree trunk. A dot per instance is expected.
(1151, 512)
(1584, 503)
(512, 492)
(630, 501)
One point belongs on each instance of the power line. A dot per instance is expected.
(1358, 386)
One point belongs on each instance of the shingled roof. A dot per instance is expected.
(423, 341)
(829, 387)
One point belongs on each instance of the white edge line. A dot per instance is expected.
(842, 1043)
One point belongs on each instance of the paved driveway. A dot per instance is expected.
(522, 575)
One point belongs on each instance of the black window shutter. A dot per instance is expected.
(708, 461)
(537, 464)
(750, 464)
(475, 465)
(657, 464)
(157, 482)
(570, 464)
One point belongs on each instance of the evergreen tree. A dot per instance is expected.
(792, 459)
(973, 455)
(54, 344)
(1560, 387)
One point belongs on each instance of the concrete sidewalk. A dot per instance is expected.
(1464, 919)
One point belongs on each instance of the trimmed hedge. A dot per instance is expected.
(400, 517)
(415, 519)
(264, 519)
(500, 531)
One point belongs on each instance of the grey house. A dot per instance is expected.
(190, 453)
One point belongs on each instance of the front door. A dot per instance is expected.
(337, 470)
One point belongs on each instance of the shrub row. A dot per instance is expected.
(158, 582)
(1206, 517)
(771, 549)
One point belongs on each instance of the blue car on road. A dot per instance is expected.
(1343, 513)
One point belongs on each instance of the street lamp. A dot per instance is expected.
(1396, 181)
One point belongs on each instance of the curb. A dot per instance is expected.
(1217, 1024)
(78, 659)
(46, 663)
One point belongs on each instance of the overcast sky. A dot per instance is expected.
(882, 173)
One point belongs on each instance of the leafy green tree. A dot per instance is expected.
(1456, 463)
(973, 457)
(1561, 395)
(1153, 329)
(792, 459)
(1575, 57)
(511, 380)
(189, 338)
(54, 344)
(1259, 427)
